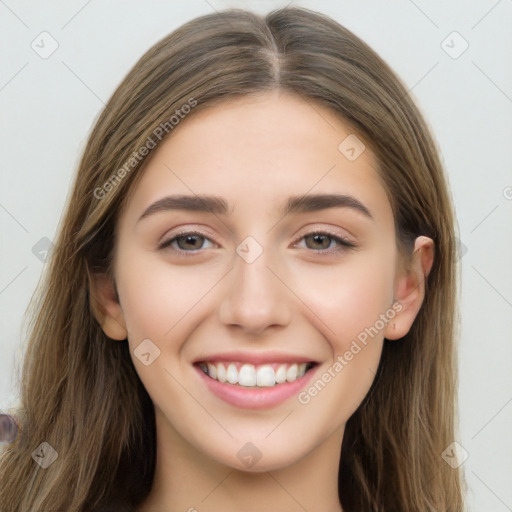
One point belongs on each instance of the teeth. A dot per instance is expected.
(232, 374)
(221, 373)
(291, 373)
(212, 370)
(281, 374)
(248, 375)
(265, 376)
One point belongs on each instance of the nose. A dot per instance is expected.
(255, 297)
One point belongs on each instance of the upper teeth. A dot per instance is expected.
(249, 375)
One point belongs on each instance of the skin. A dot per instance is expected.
(255, 152)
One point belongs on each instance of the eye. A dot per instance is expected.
(187, 242)
(190, 242)
(323, 242)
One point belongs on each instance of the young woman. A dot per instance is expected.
(251, 302)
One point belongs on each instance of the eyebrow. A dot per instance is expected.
(219, 206)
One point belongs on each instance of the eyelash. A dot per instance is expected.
(343, 243)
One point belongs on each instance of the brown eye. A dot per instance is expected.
(326, 242)
(319, 241)
(189, 242)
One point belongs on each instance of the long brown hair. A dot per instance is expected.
(80, 392)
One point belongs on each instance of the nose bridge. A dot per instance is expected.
(255, 298)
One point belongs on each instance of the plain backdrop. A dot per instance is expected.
(456, 60)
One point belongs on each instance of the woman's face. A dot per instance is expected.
(220, 268)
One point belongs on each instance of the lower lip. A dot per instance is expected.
(255, 397)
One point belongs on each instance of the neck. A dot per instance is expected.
(189, 481)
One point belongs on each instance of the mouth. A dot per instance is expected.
(254, 381)
(249, 375)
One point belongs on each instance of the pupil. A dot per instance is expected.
(319, 238)
(190, 239)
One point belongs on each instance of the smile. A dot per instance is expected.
(257, 380)
(250, 375)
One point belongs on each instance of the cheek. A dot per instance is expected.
(348, 299)
(352, 307)
(351, 311)
(157, 296)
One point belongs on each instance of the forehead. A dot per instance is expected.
(256, 151)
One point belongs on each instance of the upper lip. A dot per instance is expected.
(255, 358)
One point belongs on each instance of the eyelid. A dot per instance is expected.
(335, 232)
(167, 239)
(343, 242)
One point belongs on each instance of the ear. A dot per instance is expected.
(410, 288)
(105, 306)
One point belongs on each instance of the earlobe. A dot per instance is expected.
(105, 306)
(409, 289)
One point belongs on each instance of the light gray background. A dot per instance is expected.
(48, 106)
